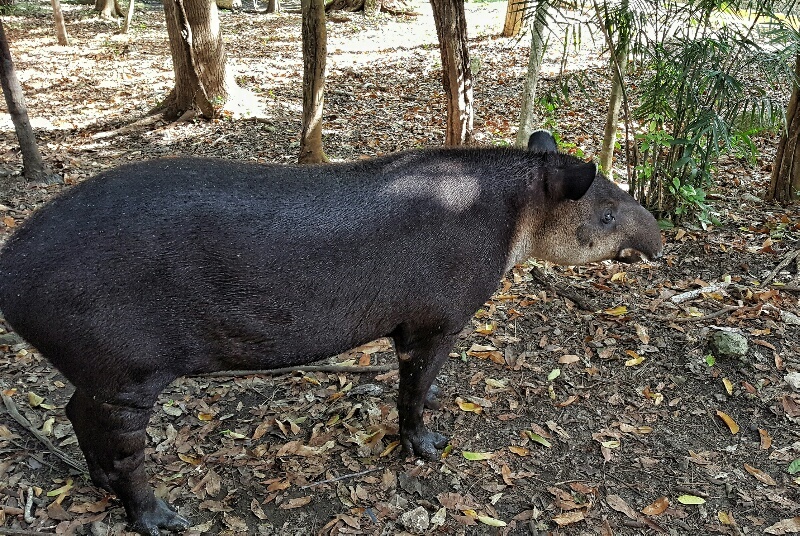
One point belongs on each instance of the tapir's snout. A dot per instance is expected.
(631, 254)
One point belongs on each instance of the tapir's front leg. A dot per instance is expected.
(420, 362)
(113, 438)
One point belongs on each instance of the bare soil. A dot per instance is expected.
(593, 403)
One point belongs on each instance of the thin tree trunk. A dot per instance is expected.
(315, 54)
(58, 20)
(198, 58)
(785, 184)
(128, 18)
(33, 168)
(515, 14)
(273, 6)
(108, 9)
(527, 116)
(451, 27)
(618, 66)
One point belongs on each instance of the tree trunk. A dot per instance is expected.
(33, 168)
(273, 6)
(128, 18)
(198, 58)
(785, 184)
(451, 27)
(58, 19)
(515, 13)
(527, 117)
(619, 62)
(315, 53)
(108, 9)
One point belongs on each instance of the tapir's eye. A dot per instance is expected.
(608, 216)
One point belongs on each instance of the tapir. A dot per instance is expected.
(182, 266)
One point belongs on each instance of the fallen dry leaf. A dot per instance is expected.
(657, 507)
(618, 503)
(760, 475)
(734, 428)
(786, 526)
(297, 502)
(568, 518)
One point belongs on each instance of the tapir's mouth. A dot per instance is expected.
(631, 255)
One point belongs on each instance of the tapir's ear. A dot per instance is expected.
(541, 141)
(571, 182)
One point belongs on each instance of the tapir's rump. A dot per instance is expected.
(180, 266)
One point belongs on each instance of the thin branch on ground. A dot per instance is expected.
(22, 532)
(308, 368)
(343, 477)
(11, 407)
(584, 303)
(709, 316)
(787, 259)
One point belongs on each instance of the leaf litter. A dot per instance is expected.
(633, 434)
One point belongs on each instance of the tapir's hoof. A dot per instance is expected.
(162, 516)
(432, 398)
(425, 444)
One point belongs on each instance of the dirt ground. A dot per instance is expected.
(585, 400)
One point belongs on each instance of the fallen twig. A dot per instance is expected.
(343, 477)
(28, 515)
(787, 259)
(692, 294)
(709, 316)
(307, 368)
(22, 532)
(11, 407)
(584, 303)
(790, 288)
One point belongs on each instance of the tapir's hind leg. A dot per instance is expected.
(420, 362)
(113, 438)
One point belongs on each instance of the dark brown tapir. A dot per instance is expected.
(182, 266)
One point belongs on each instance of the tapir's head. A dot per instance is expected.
(577, 216)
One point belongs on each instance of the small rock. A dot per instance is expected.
(416, 520)
(793, 379)
(790, 318)
(729, 343)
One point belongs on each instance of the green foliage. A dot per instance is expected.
(715, 74)
(698, 104)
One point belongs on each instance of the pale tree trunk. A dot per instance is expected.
(785, 184)
(619, 61)
(527, 116)
(315, 54)
(108, 9)
(58, 20)
(33, 168)
(618, 66)
(202, 81)
(273, 6)
(515, 14)
(128, 18)
(451, 27)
